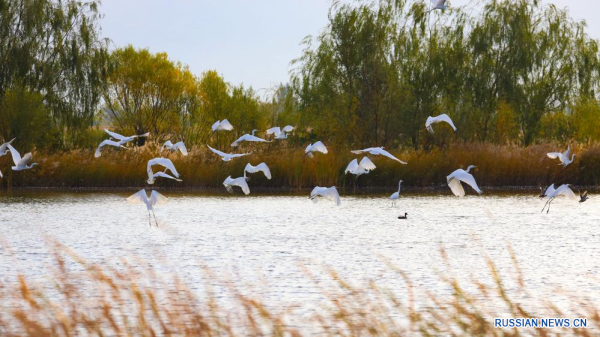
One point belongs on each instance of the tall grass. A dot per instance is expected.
(498, 166)
(82, 299)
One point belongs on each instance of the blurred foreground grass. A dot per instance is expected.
(88, 299)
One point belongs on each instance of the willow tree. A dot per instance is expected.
(147, 92)
(344, 82)
(53, 49)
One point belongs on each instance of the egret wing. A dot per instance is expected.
(447, 119)
(332, 194)
(352, 166)
(367, 164)
(235, 155)
(138, 198)
(157, 198)
(115, 135)
(222, 154)
(164, 175)
(241, 182)
(550, 190)
(468, 179)
(265, 169)
(554, 155)
(456, 187)
(215, 125)
(225, 125)
(319, 146)
(566, 191)
(274, 131)
(288, 128)
(14, 153)
(181, 147)
(26, 159)
(389, 155)
(251, 138)
(166, 163)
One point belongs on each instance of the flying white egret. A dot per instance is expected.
(155, 199)
(165, 162)
(174, 147)
(437, 119)
(280, 133)
(124, 140)
(161, 174)
(223, 125)
(562, 190)
(396, 195)
(438, 4)
(547, 192)
(4, 147)
(459, 175)
(563, 157)
(364, 167)
(262, 167)
(240, 182)
(314, 148)
(104, 143)
(227, 156)
(329, 193)
(20, 163)
(4, 150)
(249, 138)
(378, 151)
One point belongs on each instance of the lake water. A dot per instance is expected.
(269, 238)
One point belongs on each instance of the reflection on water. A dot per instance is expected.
(260, 238)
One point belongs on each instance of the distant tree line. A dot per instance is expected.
(506, 71)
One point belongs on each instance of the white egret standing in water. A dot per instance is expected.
(563, 157)
(396, 195)
(124, 140)
(155, 199)
(437, 119)
(20, 163)
(239, 182)
(562, 190)
(455, 178)
(174, 147)
(378, 151)
(104, 143)
(329, 193)
(314, 148)
(249, 138)
(165, 162)
(262, 167)
(280, 133)
(227, 156)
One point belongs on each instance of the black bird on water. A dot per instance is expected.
(403, 217)
(583, 196)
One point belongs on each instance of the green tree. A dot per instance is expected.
(54, 49)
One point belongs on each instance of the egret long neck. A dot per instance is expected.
(399, 184)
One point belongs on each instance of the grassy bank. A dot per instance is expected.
(132, 300)
(498, 166)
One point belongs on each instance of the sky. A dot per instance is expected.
(249, 42)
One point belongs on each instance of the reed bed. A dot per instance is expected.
(82, 299)
(498, 166)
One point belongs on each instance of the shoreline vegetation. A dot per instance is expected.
(81, 298)
(498, 168)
